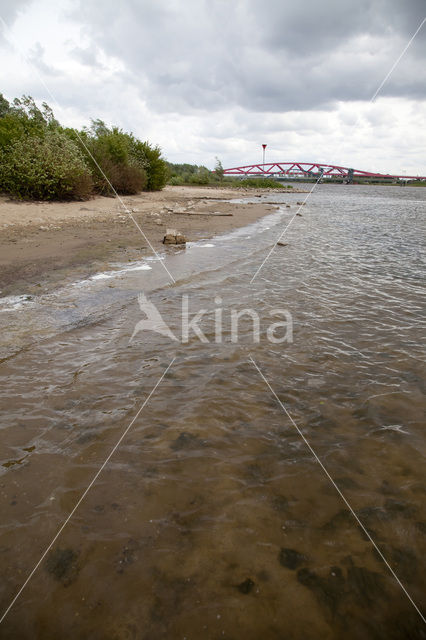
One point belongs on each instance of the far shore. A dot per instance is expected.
(43, 244)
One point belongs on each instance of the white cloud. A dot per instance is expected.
(219, 79)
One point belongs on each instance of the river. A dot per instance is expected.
(214, 517)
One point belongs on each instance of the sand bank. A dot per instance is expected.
(41, 243)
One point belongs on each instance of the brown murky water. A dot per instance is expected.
(212, 519)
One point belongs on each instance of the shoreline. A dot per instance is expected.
(44, 244)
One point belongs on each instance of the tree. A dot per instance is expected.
(46, 168)
(157, 170)
(116, 163)
(4, 106)
(219, 170)
(40, 159)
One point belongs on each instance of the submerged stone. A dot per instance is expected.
(373, 514)
(367, 585)
(395, 506)
(327, 589)
(290, 558)
(280, 503)
(345, 482)
(421, 526)
(60, 564)
(185, 441)
(405, 562)
(246, 586)
(127, 556)
(342, 518)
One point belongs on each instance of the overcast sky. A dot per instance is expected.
(219, 78)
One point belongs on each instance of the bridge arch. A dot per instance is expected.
(309, 169)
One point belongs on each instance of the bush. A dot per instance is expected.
(117, 165)
(417, 183)
(45, 168)
(190, 174)
(156, 169)
(126, 179)
(218, 170)
(261, 183)
(177, 181)
(4, 106)
(203, 177)
(24, 118)
(181, 173)
(40, 159)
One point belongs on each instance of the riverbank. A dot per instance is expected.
(42, 244)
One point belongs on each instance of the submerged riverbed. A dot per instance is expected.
(213, 519)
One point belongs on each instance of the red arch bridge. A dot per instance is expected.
(310, 170)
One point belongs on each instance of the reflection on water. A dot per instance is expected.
(212, 519)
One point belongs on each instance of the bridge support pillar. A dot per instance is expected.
(350, 177)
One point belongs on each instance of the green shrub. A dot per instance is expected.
(110, 154)
(45, 168)
(24, 118)
(177, 181)
(218, 170)
(200, 175)
(125, 178)
(261, 183)
(156, 168)
(116, 162)
(417, 183)
(40, 159)
(203, 177)
(11, 129)
(4, 106)
(181, 173)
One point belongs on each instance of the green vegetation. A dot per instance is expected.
(42, 160)
(156, 168)
(192, 174)
(45, 168)
(416, 183)
(180, 174)
(218, 170)
(115, 159)
(263, 183)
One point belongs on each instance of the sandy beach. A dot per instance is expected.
(44, 243)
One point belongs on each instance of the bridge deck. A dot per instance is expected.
(310, 169)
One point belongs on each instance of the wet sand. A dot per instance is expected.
(42, 244)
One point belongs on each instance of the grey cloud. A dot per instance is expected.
(276, 56)
(310, 28)
(9, 11)
(36, 57)
(87, 56)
